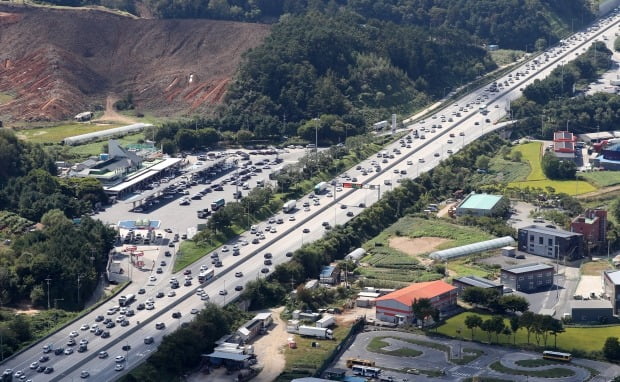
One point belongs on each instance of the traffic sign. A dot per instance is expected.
(352, 185)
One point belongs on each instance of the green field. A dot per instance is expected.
(586, 339)
(55, 134)
(602, 178)
(537, 179)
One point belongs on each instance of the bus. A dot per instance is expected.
(366, 371)
(556, 355)
(206, 275)
(126, 300)
(359, 361)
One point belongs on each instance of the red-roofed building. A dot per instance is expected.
(396, 306)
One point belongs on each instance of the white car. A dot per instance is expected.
(225, 248)
(119, 359)
(68, 351)
(111, 311)
(120, 319)
(34, 365)
(149, 306)
(200, 291)
(73, 334)
(84, 374)
(83, 341)
(152, 278)
(93, 328)
(119, 366)
(85, 327)
(172, 293)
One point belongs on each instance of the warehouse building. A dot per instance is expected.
(463, 283)
(551, 242)
(396, 307)
(611, 288)
(591, 311)
(528, 277)
(483, 205)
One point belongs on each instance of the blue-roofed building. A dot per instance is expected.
(483, 205)
(330, 274)
(609, 158)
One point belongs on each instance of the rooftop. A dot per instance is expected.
(563, 136)
(477, 282)
(614, 276)
(591, 304)
(550, 231)
(328, 270)
(526, 268)
(480, 201)
(428, 289)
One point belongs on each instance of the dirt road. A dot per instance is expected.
(270, 349)
(111, 115)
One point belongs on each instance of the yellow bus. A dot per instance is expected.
(556, 355)
(358, 361)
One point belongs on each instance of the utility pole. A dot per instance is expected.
(48, 292)
(78, 289)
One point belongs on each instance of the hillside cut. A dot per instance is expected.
(57, 63)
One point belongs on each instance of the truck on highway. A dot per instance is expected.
(325, 322)
(217, 204)
(126, 300)
(320, 333)
(320, 188)
(289, 206)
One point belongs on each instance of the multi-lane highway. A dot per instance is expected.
(463, 123)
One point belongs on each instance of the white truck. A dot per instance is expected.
(289, 206)
(320, 187)
(326, 321)
(320, 333)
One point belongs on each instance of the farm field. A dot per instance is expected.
(586, 339)
(602, 178)
(55, 134)
(536, 178)
(398, 256)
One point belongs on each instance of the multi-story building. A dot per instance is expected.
(528, 277)
(592, 225)
(564, 145)
(551, 242)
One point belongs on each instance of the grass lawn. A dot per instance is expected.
(305, 357)
(504, 171)
(586, 339)
(461, 267)
(594, 268)
(536, 179)
(377, 344)
(602, 178)
(505, 56)
(55, 134)
(556, 372)
(536, 362)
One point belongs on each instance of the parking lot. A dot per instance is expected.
(182, 218)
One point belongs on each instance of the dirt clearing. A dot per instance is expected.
(269, 349)
(418, 246)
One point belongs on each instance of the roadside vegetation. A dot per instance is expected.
(556, 372)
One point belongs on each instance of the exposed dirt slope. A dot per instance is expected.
(57, 63)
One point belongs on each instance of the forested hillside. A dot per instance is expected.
(58, 249)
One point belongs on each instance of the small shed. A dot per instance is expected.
(599, 311)
(509, 251)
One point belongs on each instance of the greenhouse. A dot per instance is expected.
(469, 249)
